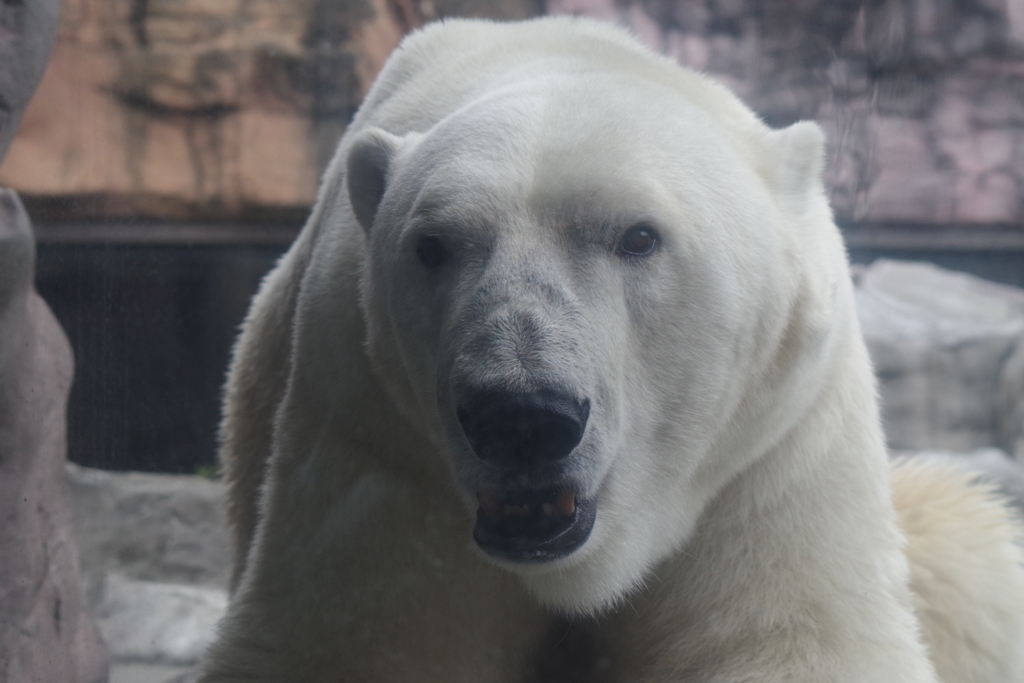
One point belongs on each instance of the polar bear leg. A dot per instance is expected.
(371, 585)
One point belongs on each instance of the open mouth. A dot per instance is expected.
(532, 526)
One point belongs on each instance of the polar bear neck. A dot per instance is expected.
(767, 549)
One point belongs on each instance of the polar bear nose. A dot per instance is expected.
(522, 429)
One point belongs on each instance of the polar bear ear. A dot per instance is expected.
(368, 161)
(801, 150)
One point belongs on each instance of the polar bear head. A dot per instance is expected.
(601, 296)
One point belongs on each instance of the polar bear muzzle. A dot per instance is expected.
(525, 439)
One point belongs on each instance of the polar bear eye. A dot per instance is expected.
(431, 252)
(639, 240)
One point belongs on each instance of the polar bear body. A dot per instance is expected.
(548, 221)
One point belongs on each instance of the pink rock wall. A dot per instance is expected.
(230, 108)
(922, 100)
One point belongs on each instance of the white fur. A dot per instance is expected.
(745, 529)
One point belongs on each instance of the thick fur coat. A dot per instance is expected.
(563, 381)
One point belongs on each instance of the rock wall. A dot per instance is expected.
(922, 100)
(205, 108)
(156, 557)
(948, 350)
(46, 632)
(229, 108)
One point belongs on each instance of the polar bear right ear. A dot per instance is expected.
(368, 161)
(801, 153)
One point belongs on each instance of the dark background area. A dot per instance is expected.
(152, 327)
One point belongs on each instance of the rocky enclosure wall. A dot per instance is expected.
(229, 108)
(206, 108)
(922, 100)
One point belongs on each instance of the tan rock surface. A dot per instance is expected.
(223, 108)
(206, 108)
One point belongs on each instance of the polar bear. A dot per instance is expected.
(562, 381)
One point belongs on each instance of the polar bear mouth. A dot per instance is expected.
(532, 526)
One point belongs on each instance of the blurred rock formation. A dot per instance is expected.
(46, 633)
(207, 108)
(922, 100)
(948, 350)
(203, 108)
(156, 557)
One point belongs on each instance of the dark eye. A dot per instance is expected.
(431, 252)
(639, 240)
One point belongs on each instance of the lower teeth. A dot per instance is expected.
(491, 504)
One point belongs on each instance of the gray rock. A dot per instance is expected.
(152, 527)
(46, 634)
(150, 673)
(27, 32)
(159, 623)
(948, 350)
(155, 556)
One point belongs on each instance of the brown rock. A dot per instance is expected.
(45, 632)
(220, 108)
(196, 108)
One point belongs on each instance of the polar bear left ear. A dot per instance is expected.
(801, 150)
(369, 158)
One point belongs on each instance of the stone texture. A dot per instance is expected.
(46, 634)
(27, 31)
(948, 350)
(159, 623)
(151, 527)
(206, 108)
(923, 100)
(155, 561)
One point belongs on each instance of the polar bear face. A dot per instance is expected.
(576, 298)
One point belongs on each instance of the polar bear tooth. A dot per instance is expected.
(490, 504)
(566, 502)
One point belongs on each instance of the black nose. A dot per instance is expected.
(523, 429)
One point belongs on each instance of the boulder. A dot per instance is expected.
(46, 632)
(26, 38)
(948, 350)
(164, 528)
(159, 623)
(156, 559)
